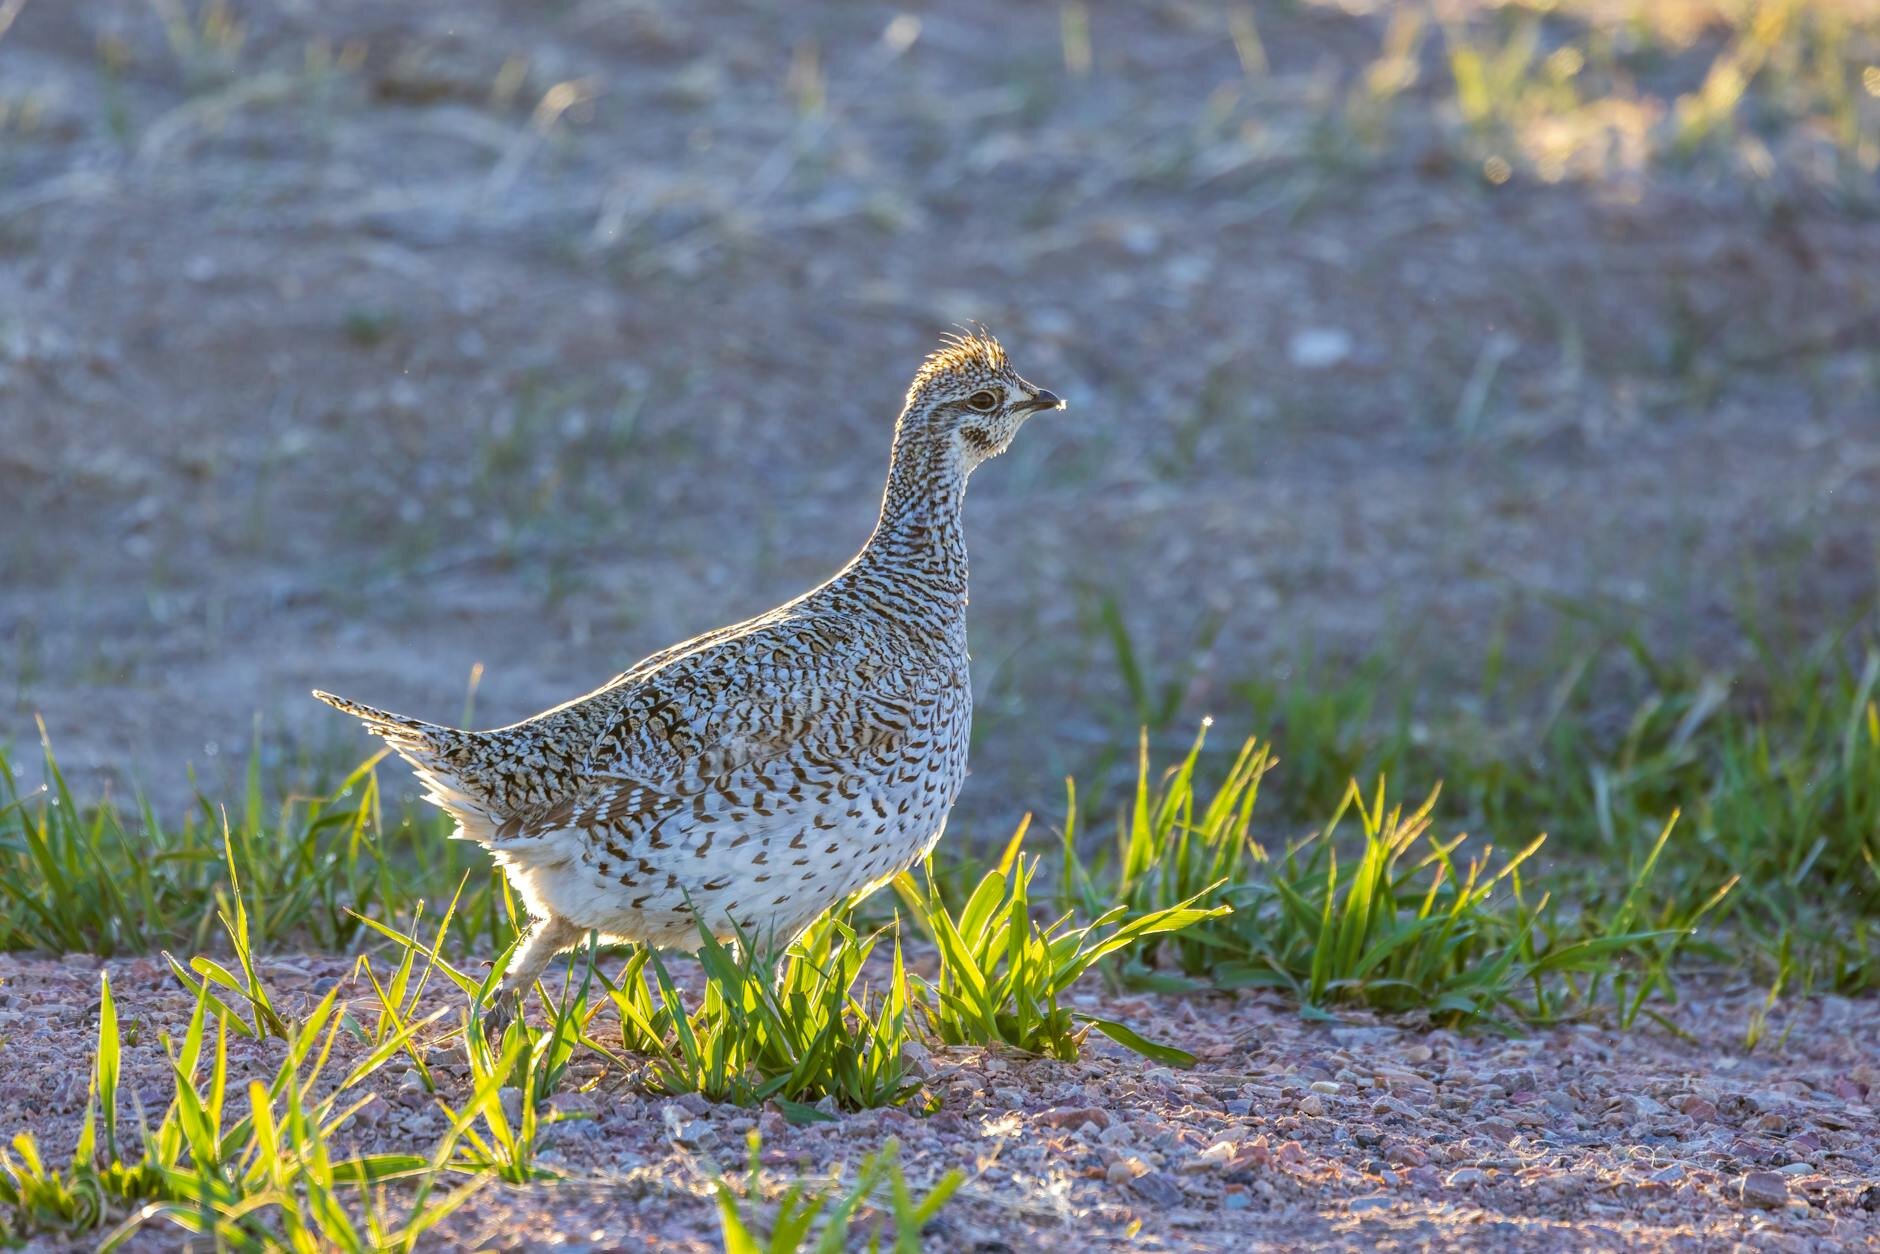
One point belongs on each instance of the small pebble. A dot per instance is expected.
(1158, 1188)
(1766, 1189)
(1220, 1154)
(1467, 1177)
(1075, 1117)
(1515, 1081)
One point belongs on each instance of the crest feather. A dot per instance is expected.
(970, 351)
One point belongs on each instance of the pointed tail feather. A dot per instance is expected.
(407, 735)
(428, 748)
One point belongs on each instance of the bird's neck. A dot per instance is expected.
(915, 562)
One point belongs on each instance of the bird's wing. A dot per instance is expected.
(719, 712)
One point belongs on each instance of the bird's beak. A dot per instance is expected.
(1042, 399)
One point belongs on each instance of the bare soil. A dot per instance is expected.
(361, 345)
(388, 342)
(1360, 1135)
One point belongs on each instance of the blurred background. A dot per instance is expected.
(1433, 367)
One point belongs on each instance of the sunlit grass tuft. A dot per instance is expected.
(1775, 767)
(89, 879)
(1173, 845)
(804, 1029)
(1404, 922)
(1416, 923)
(810, 1032)
(269, 1178)
(820, 1217)
(1002, 973)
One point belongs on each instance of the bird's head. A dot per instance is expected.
(968, 396)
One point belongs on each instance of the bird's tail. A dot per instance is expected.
(438, 755)
(409, 736)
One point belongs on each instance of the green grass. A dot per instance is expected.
(1406, 922)
(87, 879)
(1416, 925)
(812, 1031)
(1774, 766)
(793, 1225)
(266, 1179)
(274, 1179)
(807, 1029)
(1002, 973)
(1560, 91)
(1173, 845)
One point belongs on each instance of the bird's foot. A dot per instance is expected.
(504, 1009)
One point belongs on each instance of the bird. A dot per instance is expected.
(742, 782)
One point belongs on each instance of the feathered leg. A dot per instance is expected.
(548, 937)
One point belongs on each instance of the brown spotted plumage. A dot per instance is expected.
(753, 776)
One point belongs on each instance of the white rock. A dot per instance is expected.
(1319, 348)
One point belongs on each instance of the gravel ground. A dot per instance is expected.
(1360, 1134)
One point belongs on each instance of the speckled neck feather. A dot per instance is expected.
(914, 564)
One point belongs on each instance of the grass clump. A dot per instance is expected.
(1775, 767)
(794, 1225)
(268, 1179)
(1171, 847)
(1002, 973)
(494, 1139)
(1410, 926)
(811, 1032)
(1406, 922)
(87, 880)
(803, 1030)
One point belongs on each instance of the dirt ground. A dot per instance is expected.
(357, 345)
(1361, 1135)
(361, 345)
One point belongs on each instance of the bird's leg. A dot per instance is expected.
(548, 937)
(501, 1011)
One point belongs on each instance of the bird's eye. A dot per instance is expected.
(984, 402)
